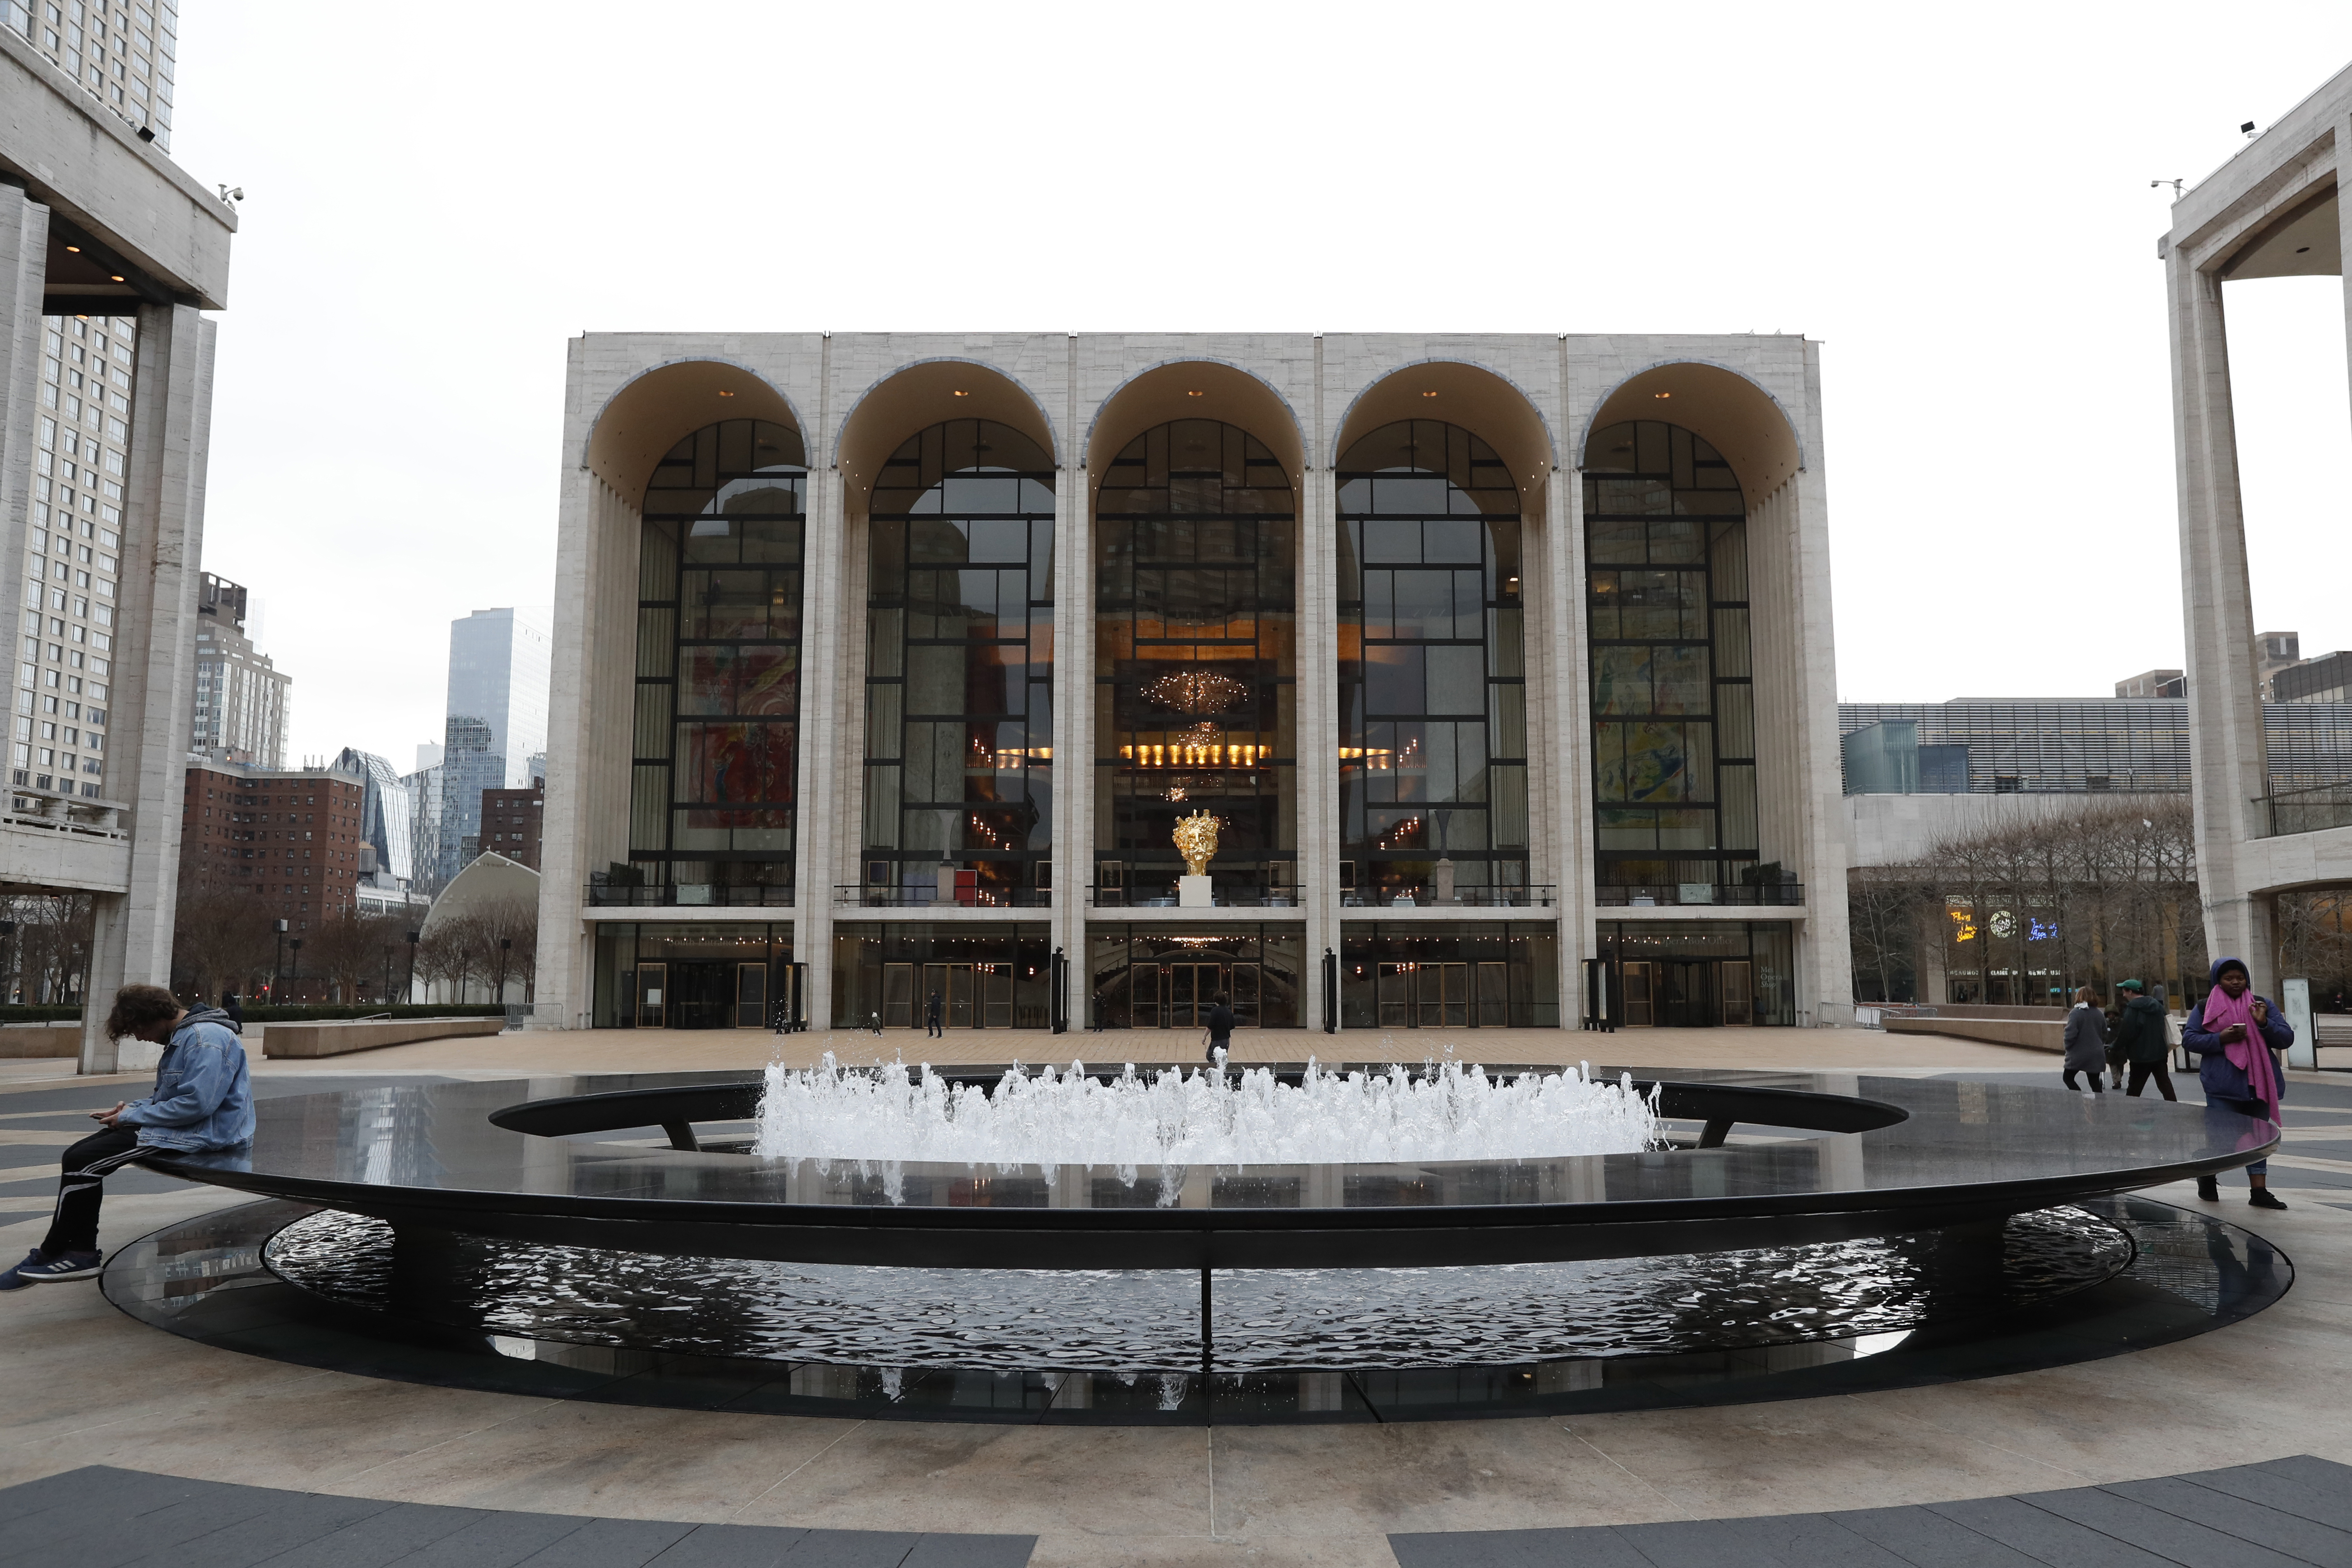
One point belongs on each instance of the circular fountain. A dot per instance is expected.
(1271, 1245)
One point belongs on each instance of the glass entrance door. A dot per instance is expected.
(653, 995)
(750, 995)
(953, 983)
(993, 983)
(1641, 1010)
(1738, 990)
(1492, 1008)
(1442, 992)
(898, 996)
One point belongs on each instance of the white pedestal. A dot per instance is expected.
(1193, 893)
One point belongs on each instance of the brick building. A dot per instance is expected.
(291, 837)
(511, 822)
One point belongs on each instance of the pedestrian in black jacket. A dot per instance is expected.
(2144, 1040)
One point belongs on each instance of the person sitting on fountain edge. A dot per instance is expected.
(202, 1100)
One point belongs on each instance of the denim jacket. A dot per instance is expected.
(204, 1096)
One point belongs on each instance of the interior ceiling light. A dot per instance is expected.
(116, 276)
(75, 248)
(1661, 395)
(1429, 394)
(961, 393)
(1195, 395)
(724, 393)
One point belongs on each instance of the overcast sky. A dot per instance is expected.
(1954, 200)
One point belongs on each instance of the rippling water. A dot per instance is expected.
(1149, 1321)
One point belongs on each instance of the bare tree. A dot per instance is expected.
(222, 938)
(2029, 907)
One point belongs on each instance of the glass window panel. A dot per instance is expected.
(1604, 600)
(737, 761)
(657, 561)
(1621, 680)
(1680, 679)
(653, 715)
(1735, 717)
(1509, 719)
(1457, 680)
(1619, 542)
(1393, 679)
(1731, 655)
(1730, 563)
(1677, 540)
(1622, 830)
(1391, 541)
(1425, 604)
(1507, 793)
(760, 679)
(1738, 806)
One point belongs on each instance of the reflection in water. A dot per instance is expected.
(1146, 1321)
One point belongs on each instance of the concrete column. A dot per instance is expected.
(823, 818)
(2229, 768)
(1559, 734)
(1073, 770)
(1317, 664)
(163, 538)
(23, 258)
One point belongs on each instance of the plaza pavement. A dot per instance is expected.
(87, 1386)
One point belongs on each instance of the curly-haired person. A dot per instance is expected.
(202, 1102)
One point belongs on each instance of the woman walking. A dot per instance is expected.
(2086, 1042)
(2141, 1035)
(2235, 1031)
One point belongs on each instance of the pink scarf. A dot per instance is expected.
(2251, 1055)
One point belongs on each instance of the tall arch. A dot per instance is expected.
(1468, 396)
(1195, 389)
(929, 392)
(654, 411)
(1432, 668)
(959, 686)
(1745, 425)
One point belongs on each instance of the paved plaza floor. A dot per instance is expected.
(2039, 1467)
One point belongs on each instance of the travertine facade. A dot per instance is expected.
(96, 225)
(1534, 401)
(2273, 211)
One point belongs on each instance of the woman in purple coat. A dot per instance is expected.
(2236, 1031)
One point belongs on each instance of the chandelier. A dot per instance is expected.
(1194, 691)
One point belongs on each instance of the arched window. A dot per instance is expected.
(1673, 713)
(958, 689)
(713, 795)
(1433, 675)
(1195, 671)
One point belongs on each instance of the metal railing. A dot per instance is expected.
(1782, 895)
(687, 895)
(1163, 895)
(1540, 896)
(855, 895)
(2311, 810)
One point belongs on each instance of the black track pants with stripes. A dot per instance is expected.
(81, 1185)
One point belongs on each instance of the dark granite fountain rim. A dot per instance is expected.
(429, 1156)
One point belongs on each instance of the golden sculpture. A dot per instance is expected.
(1196, 840)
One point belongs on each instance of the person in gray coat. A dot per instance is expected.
(2086, 1042)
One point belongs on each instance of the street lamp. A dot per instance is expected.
(387, 975)
(8, 992)
(506, 952)
(297, 975)
(412, 964)
(278, 965)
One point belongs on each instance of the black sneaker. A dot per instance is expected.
(65, 1266)
(2209, 1190)
(2262, 1198)
(14, 1279)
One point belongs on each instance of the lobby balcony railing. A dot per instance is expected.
(854, 895)
(1539, 896)
(1163, 895)
(1783, 895)
(687, 895)
(2311, 810)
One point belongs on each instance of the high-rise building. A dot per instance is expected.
(511, 819)
(73, 559)
(385, 817)
(244, 703)
(292, 838)
(425, 794)
(498, 662)
(110, 258)
(121, 58)
(469, 765)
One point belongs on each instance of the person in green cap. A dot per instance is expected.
(2141, 1036)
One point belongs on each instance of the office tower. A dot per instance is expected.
(244, 704)
(110, 258)
(424, 797)
(469, 765)
(387, 833)
(497, 674)
(122, 56)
